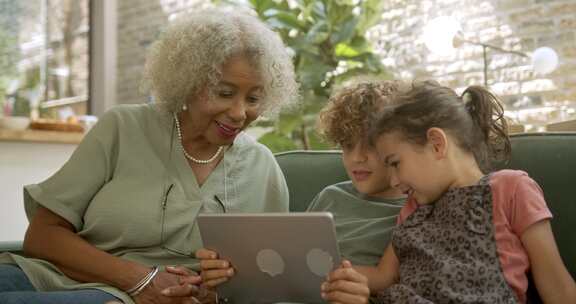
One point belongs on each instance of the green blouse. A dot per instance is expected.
(128, 190)
(363, 224)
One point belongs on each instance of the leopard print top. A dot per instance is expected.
(447, 252)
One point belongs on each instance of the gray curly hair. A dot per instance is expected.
(190, 53)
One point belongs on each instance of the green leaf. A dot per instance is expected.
(289, 122)
(373, 63)
(371, 14)
(287, 20)
(277, 142)
(317, 142)
(300, 44)
(360, 44)
(344, 32)
(345, 2)
(318, 10)
(318, 33)
(313, 102)
(312, 71)
(344, 50)
(337, 13)
(261, 6)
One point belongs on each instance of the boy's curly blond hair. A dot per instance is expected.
(347, 117)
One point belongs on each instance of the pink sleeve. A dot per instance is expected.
(408, 209)
(527, 206)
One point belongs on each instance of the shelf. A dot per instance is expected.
(41, 136)
(568, 125)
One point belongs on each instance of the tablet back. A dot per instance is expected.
(278, 257)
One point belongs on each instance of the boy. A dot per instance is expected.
(365, 208)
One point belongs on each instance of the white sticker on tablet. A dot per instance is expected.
(319, 262)
(270, 262)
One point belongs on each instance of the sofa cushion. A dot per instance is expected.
(308, 172)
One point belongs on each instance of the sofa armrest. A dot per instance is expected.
(11, 246)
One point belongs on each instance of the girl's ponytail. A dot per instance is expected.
(488, 115)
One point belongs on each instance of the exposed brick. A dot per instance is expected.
(568, 8)
(506, 88)
(510, 4)
(521, 25)
(567, 24)
(530, 14)
(569, 51)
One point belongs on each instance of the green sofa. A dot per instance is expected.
(549, 158)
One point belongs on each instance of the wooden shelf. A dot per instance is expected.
(41, 136)
(513, 128)
(568, 125)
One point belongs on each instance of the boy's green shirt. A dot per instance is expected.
(363, 224)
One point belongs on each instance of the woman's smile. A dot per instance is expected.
(227, 131)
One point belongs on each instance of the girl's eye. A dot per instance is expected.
(394, 164)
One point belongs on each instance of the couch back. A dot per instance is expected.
(549, 158)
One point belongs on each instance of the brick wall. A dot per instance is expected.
(521, 25)
(139, 23)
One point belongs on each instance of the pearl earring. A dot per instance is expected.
(184, 107)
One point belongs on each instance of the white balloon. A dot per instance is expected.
(544, 60)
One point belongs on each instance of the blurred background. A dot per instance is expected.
(64, 62)
(69, 58)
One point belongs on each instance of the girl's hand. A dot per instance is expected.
(553, 281)
(214, 271)
(153, 293)
(345, 285)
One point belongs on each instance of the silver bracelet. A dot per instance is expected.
(134, 291)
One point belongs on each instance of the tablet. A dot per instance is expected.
(278, 257)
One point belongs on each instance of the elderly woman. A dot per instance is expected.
(108, 224)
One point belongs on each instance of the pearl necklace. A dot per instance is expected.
(190, 157)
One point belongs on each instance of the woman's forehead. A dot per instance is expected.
(238, 69)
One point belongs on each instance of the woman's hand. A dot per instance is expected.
(214, 271)
(189, 286)
(345, 285)
(182, 286)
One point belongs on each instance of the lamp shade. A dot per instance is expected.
(544, 60)
(439, 35)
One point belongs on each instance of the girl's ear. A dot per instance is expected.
(438, 141)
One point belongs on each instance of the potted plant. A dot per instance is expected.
(16, 112)
(330, 44)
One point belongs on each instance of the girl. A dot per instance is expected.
(464, 236)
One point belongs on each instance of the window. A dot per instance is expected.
(44, 57)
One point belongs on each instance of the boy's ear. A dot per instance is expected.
(438, 141)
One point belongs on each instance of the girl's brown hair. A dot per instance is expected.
(347, 117)
(475, 119)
